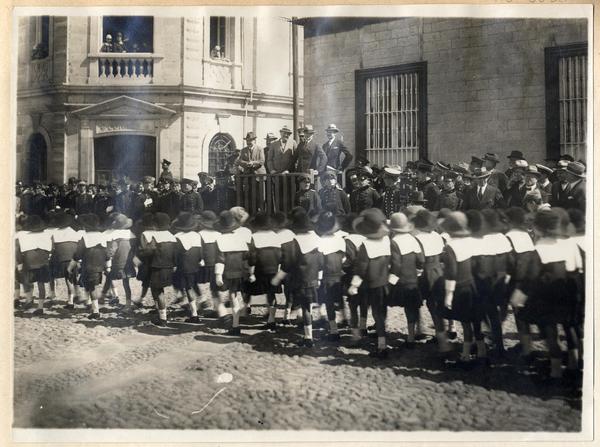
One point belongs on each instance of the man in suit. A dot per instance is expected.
(268, 140)
(282, 153)
(481, 195)
(309, 156)
(425, 183)
(497, 178)
(544, 182)
(575, 175)
(525, 184)
(338, 157)
(252, 157)
(513, 158)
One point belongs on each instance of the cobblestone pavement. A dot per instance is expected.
(124, 373)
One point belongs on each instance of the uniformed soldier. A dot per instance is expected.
(448, 197)
(365, 195)
(168, 200)
(191, 201)
(332, 197)
(148, 195)
(430, 190)
(166, 173)
(306, 197)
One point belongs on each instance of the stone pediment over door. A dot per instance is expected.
(125, 108)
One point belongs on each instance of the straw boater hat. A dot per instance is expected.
(517, 217)
(207, 219)
(120, 222)
(425, 220)
(547, 222)
(371, 224)
(326, 223)
(521, 163)
(532, 170)
(240, 214)
(285, 129)
(34, 223)
(544, 169)
(162, 221)
(185, 222)
(261, 222)
(309, 129)
(332, 128)
(300, 222)
(456, 224)
(392, 171)
(443, 166)
(480, 173)
(270, 136)
(89, 222)
(227, 222)
(399, 223)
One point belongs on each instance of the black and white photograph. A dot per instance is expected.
(280, 223)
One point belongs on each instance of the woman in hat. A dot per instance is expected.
(372, 268)
(541, 295)
(161, 246)
(406, 258)
(431, 281)
(230, 268)
(121, 242)
(264, 257)
(33, 250)
(92, 251)
(459, 284)
(499, 255)
(189, 255)
(306, 197)
(206, 273)
(333, 248)
(522, 254)
(64, 244)
(302, 262)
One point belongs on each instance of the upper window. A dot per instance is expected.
(566, 100)
(391, 113)
(42, 38)
(127, 34)
(218, 38)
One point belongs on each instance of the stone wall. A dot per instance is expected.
(486, 88)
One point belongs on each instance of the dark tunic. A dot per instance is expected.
(302, 261)
(232, 253)
(264, 254)
(392, 200)
(449, 199)
(191, 202)
(363, 198)
(93, 253)
(335, 200)
(406, 257)
(309, 200)
(458, 267)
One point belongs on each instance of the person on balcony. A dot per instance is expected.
(252, 157)
(338, 156)
(268, 140)
(282, 153)
(310, 158)
(120, 44)
(107, 46)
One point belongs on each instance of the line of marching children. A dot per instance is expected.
(466, 267)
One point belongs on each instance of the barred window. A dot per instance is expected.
(391, 113)
(566, 100)
(221, 148)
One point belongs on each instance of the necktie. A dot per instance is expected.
(480, 192)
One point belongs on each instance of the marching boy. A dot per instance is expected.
(206, 273)
(120, 240)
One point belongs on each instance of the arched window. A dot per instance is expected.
(36, 159)
(221, 147)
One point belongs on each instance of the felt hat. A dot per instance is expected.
(456, 224)
(371, 224)
(146, 222)
(261, 222)
(544, 169)
(399, 223)
(309, 129)
(326, 223)
(89, 222)
(162, 221)
(576, 168)
(490, 156)
(62, 219)
(240, 214)
(165, 162)
(227, 222)
(250, 136)
(270, 136)
(577, 218)
(516, 217)
(480, 173)
(476, 222)
(279, 220)
(566, 157)
(185, 222)
(34, 223)
(493, 220)
(425, 220)
(547, 222)
(517, 155)
(412, 210)
(443, 166)
(120, 222)
(285, 129)
(346, 222)
(392, 171)
(300, 221)
(207, 219)
(332, 128)
(424, 166)
(476, 161)
(222, 174)
(417, 197)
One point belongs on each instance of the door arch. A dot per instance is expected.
(221, 147)
(36, 159)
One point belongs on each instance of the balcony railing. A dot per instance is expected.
(123, 66)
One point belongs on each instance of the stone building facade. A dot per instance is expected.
(447, 88)
(86, 112)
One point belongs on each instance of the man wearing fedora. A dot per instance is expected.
(426, 185)
(482, 195)
(338, 156)
(310, 157)
(252, 157)
(575, 175)
(282, 153)
(544, 182)
(523, 182)
(513, 158)
(497, 178)
(166, 173)
(268, 140)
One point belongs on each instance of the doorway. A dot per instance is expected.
(128, 157)
(36, 159)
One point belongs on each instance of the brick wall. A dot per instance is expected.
(486, 89)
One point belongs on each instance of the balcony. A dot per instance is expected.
(222, 73)
(123, 68)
